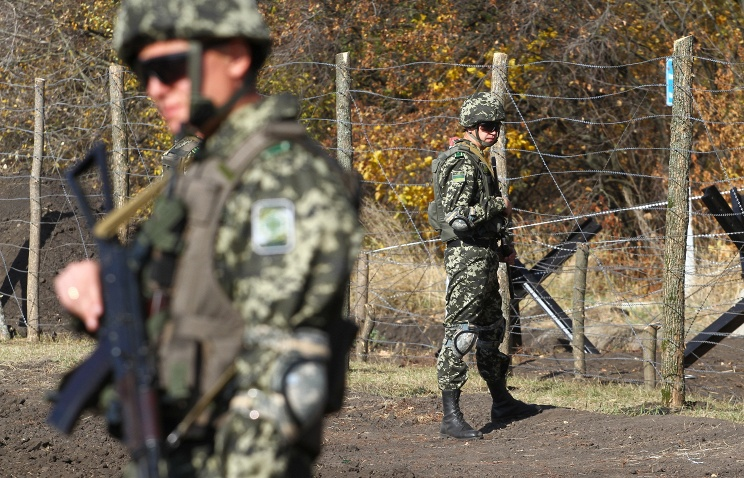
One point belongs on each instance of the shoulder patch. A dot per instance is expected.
(272, 226)
(458, 176)
(278, 148)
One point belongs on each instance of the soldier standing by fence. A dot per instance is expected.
(263, 233)
(472, 218)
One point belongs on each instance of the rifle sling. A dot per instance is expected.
(108, 227)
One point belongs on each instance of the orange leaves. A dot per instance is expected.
(517, 142)
(722, 144)
(98, 17)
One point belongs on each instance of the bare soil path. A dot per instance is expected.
(379, 437)
(371, 436)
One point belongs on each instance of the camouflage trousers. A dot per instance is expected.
(245, 448)
(242, 447)
(472, 303)
(248, 442)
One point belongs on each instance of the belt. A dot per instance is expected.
(472, 242)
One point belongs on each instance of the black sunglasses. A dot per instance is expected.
(167, 68)
(490, 126)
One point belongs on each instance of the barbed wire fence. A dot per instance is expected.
(399, 283)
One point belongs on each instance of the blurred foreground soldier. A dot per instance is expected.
(181, 153)
(257, 239)
(473, 220)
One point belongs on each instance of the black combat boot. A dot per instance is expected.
(506, 407)
(453, 423)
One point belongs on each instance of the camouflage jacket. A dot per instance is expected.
(466, 194)
(272, 232)
(282, 274)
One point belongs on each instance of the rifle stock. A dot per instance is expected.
(122, 356)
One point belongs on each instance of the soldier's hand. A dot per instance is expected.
(500, 204)
(507, 207)
(78, 289)
(507, 254)
(510, 258)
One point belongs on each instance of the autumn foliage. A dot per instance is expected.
(588, 128)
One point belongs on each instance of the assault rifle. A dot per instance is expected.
(122, 356)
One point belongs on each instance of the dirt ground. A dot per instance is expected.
(379, 438)
(374, 436)
(371, 436)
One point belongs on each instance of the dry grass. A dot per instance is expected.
(623, 290)
(405, 273)
(62, 353)
(406, 276)
(715, 287)
(411, 278)
(391, 381)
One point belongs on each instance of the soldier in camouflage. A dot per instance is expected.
(474, 223)
(263, 229)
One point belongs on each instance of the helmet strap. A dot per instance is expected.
(200, 108)
(203, 114)
(473, 133)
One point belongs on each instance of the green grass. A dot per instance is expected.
(62, 353)
(392, 381)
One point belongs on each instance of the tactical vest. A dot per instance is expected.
(204, 333)
(436, 208)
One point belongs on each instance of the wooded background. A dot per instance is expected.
(588, 131)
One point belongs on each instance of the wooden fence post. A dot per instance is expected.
(343, 129)
(579, 296)
(649, 356)
(119, 164)
(499, 87)
(343, 110)
(4, 332)
(362, 287)
(34, 242)
(675, 246)
(362, 346)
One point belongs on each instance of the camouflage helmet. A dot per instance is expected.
(481, 108)
(141, 22)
